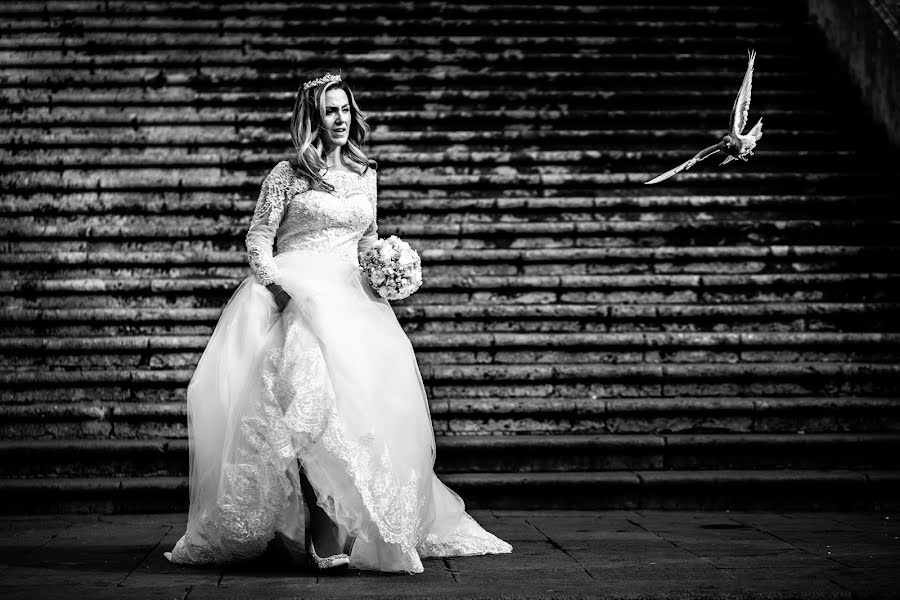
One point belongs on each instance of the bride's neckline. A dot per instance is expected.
(342, 172)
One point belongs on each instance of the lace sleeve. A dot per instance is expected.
(277, 189)
(371, 234)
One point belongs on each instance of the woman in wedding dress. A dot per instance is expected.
(308, 420)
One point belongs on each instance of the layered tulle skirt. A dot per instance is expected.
(332, 382)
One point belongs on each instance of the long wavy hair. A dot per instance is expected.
(307, 129)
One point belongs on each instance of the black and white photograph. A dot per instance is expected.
(450, 300)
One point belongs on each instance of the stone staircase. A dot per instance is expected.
(729, 338)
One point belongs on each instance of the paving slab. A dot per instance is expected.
(515, 529)
(869, 583)
(97, 554)
(38, 592)
(581, 528)
(637, 555)
(20, 537)
(156, 568)
(759, 557)
(620, 549)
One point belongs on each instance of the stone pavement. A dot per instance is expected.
(556, 554)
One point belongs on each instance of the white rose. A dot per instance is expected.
(385, 253)
(406, 257)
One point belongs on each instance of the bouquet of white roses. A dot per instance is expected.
(393, 268)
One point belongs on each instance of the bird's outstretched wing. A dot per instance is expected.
(742, 101)
(756, 132)
(688, 163)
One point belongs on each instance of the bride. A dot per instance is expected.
(308, 421)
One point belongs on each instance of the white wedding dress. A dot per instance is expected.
(333, 381)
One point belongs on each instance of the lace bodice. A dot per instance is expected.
(290, 216)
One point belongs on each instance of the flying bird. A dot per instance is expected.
(734, 143)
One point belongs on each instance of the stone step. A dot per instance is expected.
(874, 286)
(681, 313)
(774, 317)
(521, 373)
(462, 256)
(391, 156)
(637, 205)
(774, 10)
(830, 489)
(724, 415)
(263, 77)
(512, 24)
(265, 56)
(428, 143)
(449, 348)
(483, 187)
(532, 289)
(415, 120)
(481, 262)
(471, 317)
(93, 256)
(710, 41)
(210, 231)
(465, 415)
(497, 454)
(709, 266)
(398, 135)
(427, 341)
(432, 99)
(437, 261)
(467, 181)
(496, 341)
(26, 163)
(666, 452)
(210, 227)
(780, 489)
(142, 384)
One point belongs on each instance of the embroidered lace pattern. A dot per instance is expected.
(279, 186)
(255, 494)
(298, 380)
(469, 539)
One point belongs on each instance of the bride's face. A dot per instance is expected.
(337, 118)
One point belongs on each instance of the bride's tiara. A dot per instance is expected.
(323, 79)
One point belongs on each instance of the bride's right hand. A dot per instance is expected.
(280, 296)
(282, 301)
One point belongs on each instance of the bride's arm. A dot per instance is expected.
(371, 234)
(261, 235)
